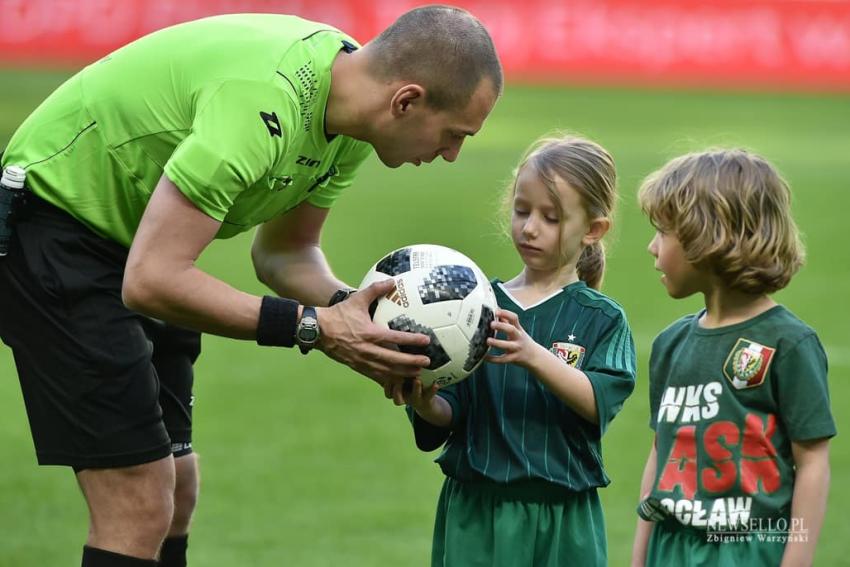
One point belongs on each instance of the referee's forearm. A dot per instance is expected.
(301, 275)
(191, 298)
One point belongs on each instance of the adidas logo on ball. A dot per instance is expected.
(398, 295)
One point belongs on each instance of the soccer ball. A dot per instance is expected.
(440, 293)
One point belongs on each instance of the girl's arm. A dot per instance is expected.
(570, 385)
(644, 528)
(424, 401)
(808, 505)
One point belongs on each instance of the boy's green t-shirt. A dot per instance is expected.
(725, 405)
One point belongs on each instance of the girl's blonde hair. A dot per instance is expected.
(589, 169)
(731, 210)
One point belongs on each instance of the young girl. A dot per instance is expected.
(522, 454)
(739, 471)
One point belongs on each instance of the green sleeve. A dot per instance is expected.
(429, 437)
(352, 156)
(457, 395)
(231, 145)
(656, 385)
(800, 383)
(611, 371)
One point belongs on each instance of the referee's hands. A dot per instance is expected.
(349, 336)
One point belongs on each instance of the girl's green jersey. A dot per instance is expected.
(508, 427)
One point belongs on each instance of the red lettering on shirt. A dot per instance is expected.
(758, 456)
(681, 467)
(720, 475)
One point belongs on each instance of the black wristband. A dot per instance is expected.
(278, 319)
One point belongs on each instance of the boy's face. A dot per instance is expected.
(679, 276)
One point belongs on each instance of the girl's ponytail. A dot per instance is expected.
(591, 265)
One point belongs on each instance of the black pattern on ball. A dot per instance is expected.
(446, 283)
(478, 345)
(433, 350)
(394, 264)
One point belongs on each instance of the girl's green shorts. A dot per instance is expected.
(531, 524)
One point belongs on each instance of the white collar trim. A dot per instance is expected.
(526, 308)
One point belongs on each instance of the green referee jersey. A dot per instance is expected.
(231, 108)
(726, 404)
(507, 426)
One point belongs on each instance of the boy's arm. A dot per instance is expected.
(644, 528)
(808, 505)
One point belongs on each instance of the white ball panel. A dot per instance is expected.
(455, 345)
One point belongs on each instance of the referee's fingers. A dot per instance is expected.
(402, 364)
(404, 338)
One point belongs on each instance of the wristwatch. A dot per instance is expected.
(339, 296)
(307, 331)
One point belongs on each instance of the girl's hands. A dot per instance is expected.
(517, 346)
(412, 393)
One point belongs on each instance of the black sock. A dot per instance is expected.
(173, 552)
(93, 557)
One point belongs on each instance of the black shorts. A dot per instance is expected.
(103, 385)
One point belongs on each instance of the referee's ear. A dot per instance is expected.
(406, 100)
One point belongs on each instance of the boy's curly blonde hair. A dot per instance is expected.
(731, 210)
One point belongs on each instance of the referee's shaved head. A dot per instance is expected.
(444, 49)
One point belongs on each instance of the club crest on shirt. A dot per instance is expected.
(747, 364)
(570, 353)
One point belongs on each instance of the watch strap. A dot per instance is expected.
(307, 313)
(339, 296)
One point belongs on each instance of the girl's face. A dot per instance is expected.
(679, 276)
(544, 242)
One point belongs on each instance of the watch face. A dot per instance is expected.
(308, 335)
(308, 330)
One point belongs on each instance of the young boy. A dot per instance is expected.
(739, 471)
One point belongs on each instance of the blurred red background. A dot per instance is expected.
(788, 44)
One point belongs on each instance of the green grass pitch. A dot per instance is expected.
(305, 463)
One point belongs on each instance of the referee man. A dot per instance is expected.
(134, 165)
